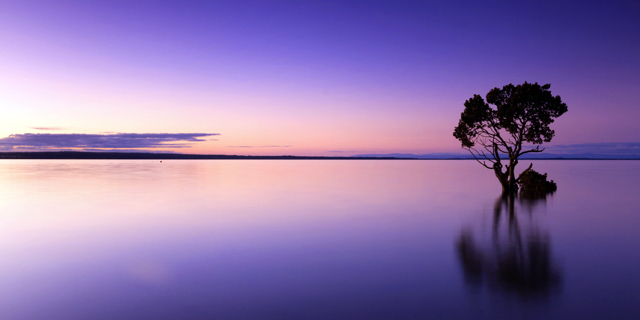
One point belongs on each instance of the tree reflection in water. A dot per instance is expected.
(517, 260)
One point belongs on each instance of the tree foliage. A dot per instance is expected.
(496, 130)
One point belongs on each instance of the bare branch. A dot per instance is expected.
(536, 150)
(481, 162)
(485, 156)
(530, 166)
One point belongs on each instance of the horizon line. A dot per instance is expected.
(115, 155)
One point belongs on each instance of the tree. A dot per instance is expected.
(522, 114)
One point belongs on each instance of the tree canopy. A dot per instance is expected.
(496, 130)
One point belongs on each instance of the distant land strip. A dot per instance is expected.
(162, 156)
(79, 155)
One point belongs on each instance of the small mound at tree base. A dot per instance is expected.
(534, 184)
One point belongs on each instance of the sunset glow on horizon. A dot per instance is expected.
(306, 78)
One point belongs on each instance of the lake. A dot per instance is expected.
(304, 239)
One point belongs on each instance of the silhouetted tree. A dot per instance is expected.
(522, 114)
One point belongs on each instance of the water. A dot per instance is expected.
(315, 240)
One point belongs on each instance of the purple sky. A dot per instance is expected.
(306, 78)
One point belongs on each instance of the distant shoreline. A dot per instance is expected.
(78, 155)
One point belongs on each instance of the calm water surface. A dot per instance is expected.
(315, 240)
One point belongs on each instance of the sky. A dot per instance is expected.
(327, 78)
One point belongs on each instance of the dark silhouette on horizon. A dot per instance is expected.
(514, 263)
(522, 114)
(84, 155)
(125, 155)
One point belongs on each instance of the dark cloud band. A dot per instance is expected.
(599, 148)
(259, 146)
(47, 128)
(40, 141)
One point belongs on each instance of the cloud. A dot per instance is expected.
(613, 148)
(47, 128)
(47, 141)
(415, 156)
(258, 146)
(123, 150)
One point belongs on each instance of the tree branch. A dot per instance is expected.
(481, 162)
(530, 166)
(536, 150)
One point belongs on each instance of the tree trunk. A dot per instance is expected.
(503, 177)
(513, 186)
(507, 179)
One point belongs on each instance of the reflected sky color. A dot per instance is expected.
(301, 239)
(349, 76)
